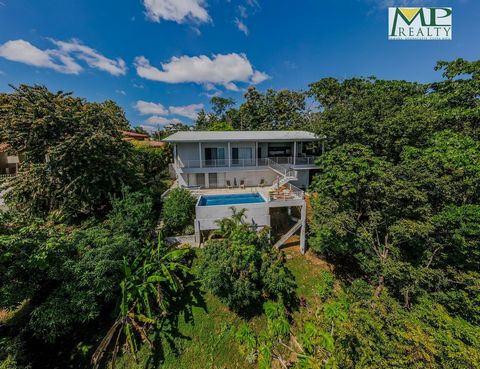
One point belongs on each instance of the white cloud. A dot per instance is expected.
(158, 111)
(24, 52)
(241, 26)
(232, 87)
(176, 10)
(243, 11)
(154, 123)
(221, 69)
(157, 120)
(63, 59)
(150, 108)
(92, 57)
(121, 92)
(188, 111)
(259, 77)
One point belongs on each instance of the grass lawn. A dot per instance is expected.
(208, 340)
(211, 339)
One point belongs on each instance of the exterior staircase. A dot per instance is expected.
(287, 174)
(289, 234)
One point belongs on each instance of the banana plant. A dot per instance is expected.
(150, 285)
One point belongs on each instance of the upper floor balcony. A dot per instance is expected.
(294, 162)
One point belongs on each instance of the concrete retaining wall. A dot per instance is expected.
(206, 216)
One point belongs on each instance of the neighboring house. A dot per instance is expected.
(8, 163)
(141, 139)
(255, 170)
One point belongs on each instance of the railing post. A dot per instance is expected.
(294, 152)
(200, 153)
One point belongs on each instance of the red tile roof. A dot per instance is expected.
(4, 147)
(135, 135)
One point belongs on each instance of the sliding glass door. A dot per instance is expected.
(215, 157)
(242, 156)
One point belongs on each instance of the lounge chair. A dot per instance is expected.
(262, 183)
(229, 184)
(242, 183)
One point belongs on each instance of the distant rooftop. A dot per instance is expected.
(205, 136)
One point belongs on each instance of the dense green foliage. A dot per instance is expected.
(395, 209)
(396, 202)
(272, 110)
(242, 268)
(73, 155)
(153, 282)
(73, 223)
(350, 332)
(69, 276)
(178, 211)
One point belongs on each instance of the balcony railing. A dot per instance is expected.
(306, 160)
(240, 163)
(287, 192)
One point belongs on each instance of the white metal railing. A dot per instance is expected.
(276, 162)
(306, 160)
(287, 192)
(284, 170)
(244, 162)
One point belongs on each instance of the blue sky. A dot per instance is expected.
(162, 60)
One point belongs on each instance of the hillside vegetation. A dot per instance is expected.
(391, 279)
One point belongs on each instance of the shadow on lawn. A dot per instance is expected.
(169, 333)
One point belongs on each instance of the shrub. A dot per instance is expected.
(70, 275)
(243, 270)
(325, 286)
(178, 210)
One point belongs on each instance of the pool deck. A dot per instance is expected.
(264, 191)
(207, 217)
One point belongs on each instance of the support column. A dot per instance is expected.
(175, 154)
(256, 153)
(197, 232)
(303, 230)
(294, 152)
(200, 154)
(229, 155)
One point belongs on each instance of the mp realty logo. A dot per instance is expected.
(419, 23)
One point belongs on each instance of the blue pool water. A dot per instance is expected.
(243, 198)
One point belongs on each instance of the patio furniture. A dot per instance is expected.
(242, 183)
(262, 183)
(229, 184)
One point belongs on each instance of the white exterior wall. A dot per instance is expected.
(206, 216)
(187, 151)
(302, 181)
(252, 177)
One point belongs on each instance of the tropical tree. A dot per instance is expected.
(152, 283)
(242, 268)
(73, 154)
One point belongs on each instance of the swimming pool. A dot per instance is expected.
(234, 199)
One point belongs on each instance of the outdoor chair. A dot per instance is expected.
(262, 183)
(242, 183)
(229, 184)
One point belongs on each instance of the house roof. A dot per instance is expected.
(4, 147)
(135, 135)
(210, 136)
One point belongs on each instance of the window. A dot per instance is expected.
(242, 156)
(215, 156)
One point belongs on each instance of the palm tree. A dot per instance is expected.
(149, 287)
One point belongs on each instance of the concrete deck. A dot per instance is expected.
(264, 191)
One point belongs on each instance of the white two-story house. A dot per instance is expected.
(253, 170)
(210, 159)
